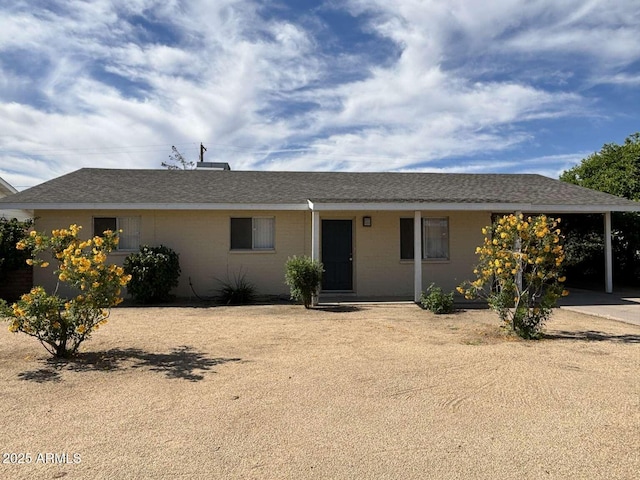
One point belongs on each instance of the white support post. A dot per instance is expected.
(315, 235)
(608, 257)
(315, 243)
(417, 256)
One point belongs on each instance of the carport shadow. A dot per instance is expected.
(580, 298)
(591, 335)
(182, 363)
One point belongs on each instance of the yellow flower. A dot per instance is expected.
(565, 293)
(95, 284)
(562, 279)
(81, 329)
(13, 327)
(29, 261)
(33, 233)
(44, 264)
(56, 325)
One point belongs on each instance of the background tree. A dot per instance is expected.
(615, 169)
(11, 232)
(177, 161)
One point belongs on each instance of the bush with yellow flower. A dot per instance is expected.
(62, 324)
(520, 271)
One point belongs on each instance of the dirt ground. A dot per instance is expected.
(384, 392)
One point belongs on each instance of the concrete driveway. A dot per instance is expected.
(623, 305)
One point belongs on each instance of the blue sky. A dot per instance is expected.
(352, 85)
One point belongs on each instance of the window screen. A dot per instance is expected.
(435, 238)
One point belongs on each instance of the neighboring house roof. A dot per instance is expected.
(6, 188)
(91, 188)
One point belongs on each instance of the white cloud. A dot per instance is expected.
(248, 84)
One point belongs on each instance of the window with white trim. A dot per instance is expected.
(253, 233)
(130, 226)
(435, 238)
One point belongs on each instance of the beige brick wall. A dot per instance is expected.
(378, 270)
(202, 238)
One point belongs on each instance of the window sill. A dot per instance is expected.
(428, 260)
(252, 252)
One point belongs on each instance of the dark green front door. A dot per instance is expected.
(337, 255)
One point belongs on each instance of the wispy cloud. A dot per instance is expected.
(354, 85)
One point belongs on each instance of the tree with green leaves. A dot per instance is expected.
(11, 232)
(615, 169)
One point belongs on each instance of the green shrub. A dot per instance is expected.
(236, 291)
(436, 300)
(154, 272)
(303, 276)
(11, 232)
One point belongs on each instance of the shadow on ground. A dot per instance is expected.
(182, 363)
(591, 336)
(336, 308)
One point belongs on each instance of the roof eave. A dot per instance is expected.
(158, 206)
(493, 207)
(334, 206)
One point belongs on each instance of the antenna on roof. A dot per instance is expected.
(202, 150)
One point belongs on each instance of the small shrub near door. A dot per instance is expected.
(154, 272)
(303, 276)
(436, 300)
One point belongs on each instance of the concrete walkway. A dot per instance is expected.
(621, 305)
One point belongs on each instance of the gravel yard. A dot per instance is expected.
(366, 391)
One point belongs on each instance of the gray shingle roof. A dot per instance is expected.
(108, 187)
